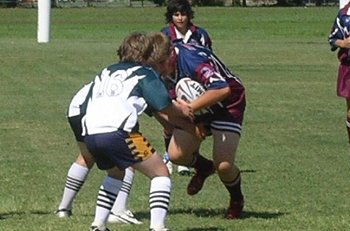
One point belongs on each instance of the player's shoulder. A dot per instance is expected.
(165, 30)
(127, 66)
(148, 72)
(202, 30)
(199, 30)
(129, 69)
(345, 11)
(120, 66)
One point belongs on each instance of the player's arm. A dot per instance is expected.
(343, 43)
(336, 38)
(177, 113)
(164, 122)
(173, 115)
(209, 98)
(217, 87)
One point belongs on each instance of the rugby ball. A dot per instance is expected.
(188, 89)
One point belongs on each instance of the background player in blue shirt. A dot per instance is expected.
(179, 15)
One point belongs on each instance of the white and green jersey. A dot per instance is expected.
(76, 106)
(120, 93)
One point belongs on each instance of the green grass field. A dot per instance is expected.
(293, 152)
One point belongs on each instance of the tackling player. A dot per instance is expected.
(115, 99)
(84, 162)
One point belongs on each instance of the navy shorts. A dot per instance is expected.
(221, 120)
(119, 148)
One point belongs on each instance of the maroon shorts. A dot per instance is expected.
(343, 81)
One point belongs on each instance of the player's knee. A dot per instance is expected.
(227, 172)
(224, 167)
(116, 173)
(179, 159)
(174, 156)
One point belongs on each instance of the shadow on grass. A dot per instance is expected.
(145, 214)
(37, 212)
(10, 214)
(220, 212)
(206, 229)
(261, 215)
(216, 212)
(248, 171)
(33, 212)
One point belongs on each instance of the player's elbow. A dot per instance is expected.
(225, 92)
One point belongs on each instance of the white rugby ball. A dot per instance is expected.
(188, 89)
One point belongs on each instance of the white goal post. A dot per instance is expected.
(44, 11)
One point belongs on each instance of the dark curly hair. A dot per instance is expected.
(182, 6)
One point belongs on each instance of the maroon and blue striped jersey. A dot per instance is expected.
(341, 30)
(203, 66)
(197, 35)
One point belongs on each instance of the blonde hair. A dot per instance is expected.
(161, 48)
(136, 47)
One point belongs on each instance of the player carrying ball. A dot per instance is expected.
(225, 97)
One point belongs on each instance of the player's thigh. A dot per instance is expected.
(84, 158)
(183, 144)
(152, 166)
(224, 146)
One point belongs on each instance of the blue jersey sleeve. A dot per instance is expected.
(336, 33)
(188, 59)
(203, 38)
(200, 64)
(340, 28)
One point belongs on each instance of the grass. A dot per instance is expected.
(293, 152)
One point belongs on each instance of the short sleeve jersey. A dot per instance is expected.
(195, 35)
(341, 30)
(78, 102)
(121, 93)
(201, 64)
